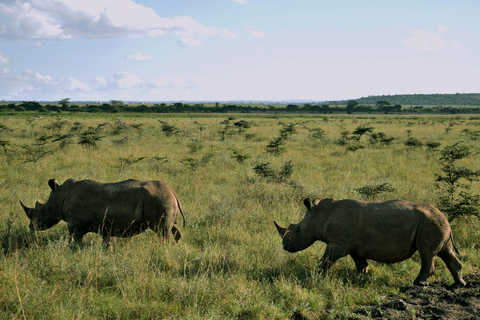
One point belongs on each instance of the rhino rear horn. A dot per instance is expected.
(27, 210)
(280, 230)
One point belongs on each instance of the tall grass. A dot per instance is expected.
(230, 263)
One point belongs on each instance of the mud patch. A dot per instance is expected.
(436, 301)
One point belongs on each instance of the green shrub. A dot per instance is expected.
(370, 192)
(454, 183)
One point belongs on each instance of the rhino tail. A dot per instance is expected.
(179, 207)
(453, 243)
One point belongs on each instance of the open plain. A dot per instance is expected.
(234, 175)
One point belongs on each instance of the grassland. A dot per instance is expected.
(230, 263)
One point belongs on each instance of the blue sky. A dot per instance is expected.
(221, 50)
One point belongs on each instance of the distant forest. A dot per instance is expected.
(468, 103)
(457, 99)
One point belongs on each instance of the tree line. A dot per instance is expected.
(457, 99)
(352, 106)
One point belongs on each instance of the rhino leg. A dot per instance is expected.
(454, 266)
(106, 239)
(177, 234)
(360, 262)
(76, 233)
(165, 228)
(426, 270)
(333, 252)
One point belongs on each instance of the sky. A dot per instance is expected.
(230, 50)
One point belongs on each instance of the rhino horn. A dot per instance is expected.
(280, 230)
(28, 210)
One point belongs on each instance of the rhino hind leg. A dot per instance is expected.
(177, 234)
(426, 270)
(454, 266)
(360, 263)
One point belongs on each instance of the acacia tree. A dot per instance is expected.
(455, 183)
(64, 103)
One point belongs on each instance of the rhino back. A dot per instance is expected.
(120, 204)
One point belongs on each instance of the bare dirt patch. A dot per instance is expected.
(435, 301)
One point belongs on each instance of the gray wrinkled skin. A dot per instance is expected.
(381, 231)
(120, 209)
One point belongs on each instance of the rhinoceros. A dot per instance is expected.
(120, 209)
(381, 231)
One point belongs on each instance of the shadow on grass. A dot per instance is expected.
(23, 239)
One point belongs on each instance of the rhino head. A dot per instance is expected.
(301, 235)
(44, 216)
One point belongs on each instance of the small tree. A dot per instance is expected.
(287, 130)
(276, 146)
(129, 161)
(360, 131)
(89, 138)
(265, 171)
(242, 125)
(37, 150)
(169, 129)
(380, 137)
(64, 103)
(454, 183)
(370, 192)
(239, 156)
(226, 130)
(413, 142)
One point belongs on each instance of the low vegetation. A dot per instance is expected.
(233, 178)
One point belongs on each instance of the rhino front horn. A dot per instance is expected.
(28, 210)
(280, 230)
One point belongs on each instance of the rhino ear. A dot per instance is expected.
(53, 184)
(308, 203)
(316, 201)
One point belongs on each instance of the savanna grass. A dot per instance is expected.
(230, 263)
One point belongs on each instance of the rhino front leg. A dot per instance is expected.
(76, 233)
(333, 252)
(360, 263)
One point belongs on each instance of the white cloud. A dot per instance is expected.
(189, 42)
(139, 57)
(120, 85)
(4, 59)
(67, 19)
(125, 80)
(240, 1)
(102, 82)
(442, 28)
(255, 33)
(423, 40)
(5, 70)
(34, 84)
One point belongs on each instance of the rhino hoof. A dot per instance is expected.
(457, 285)
(421, 283)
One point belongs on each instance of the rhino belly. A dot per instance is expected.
(385, 242)
(386, 253)
(120, 219)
